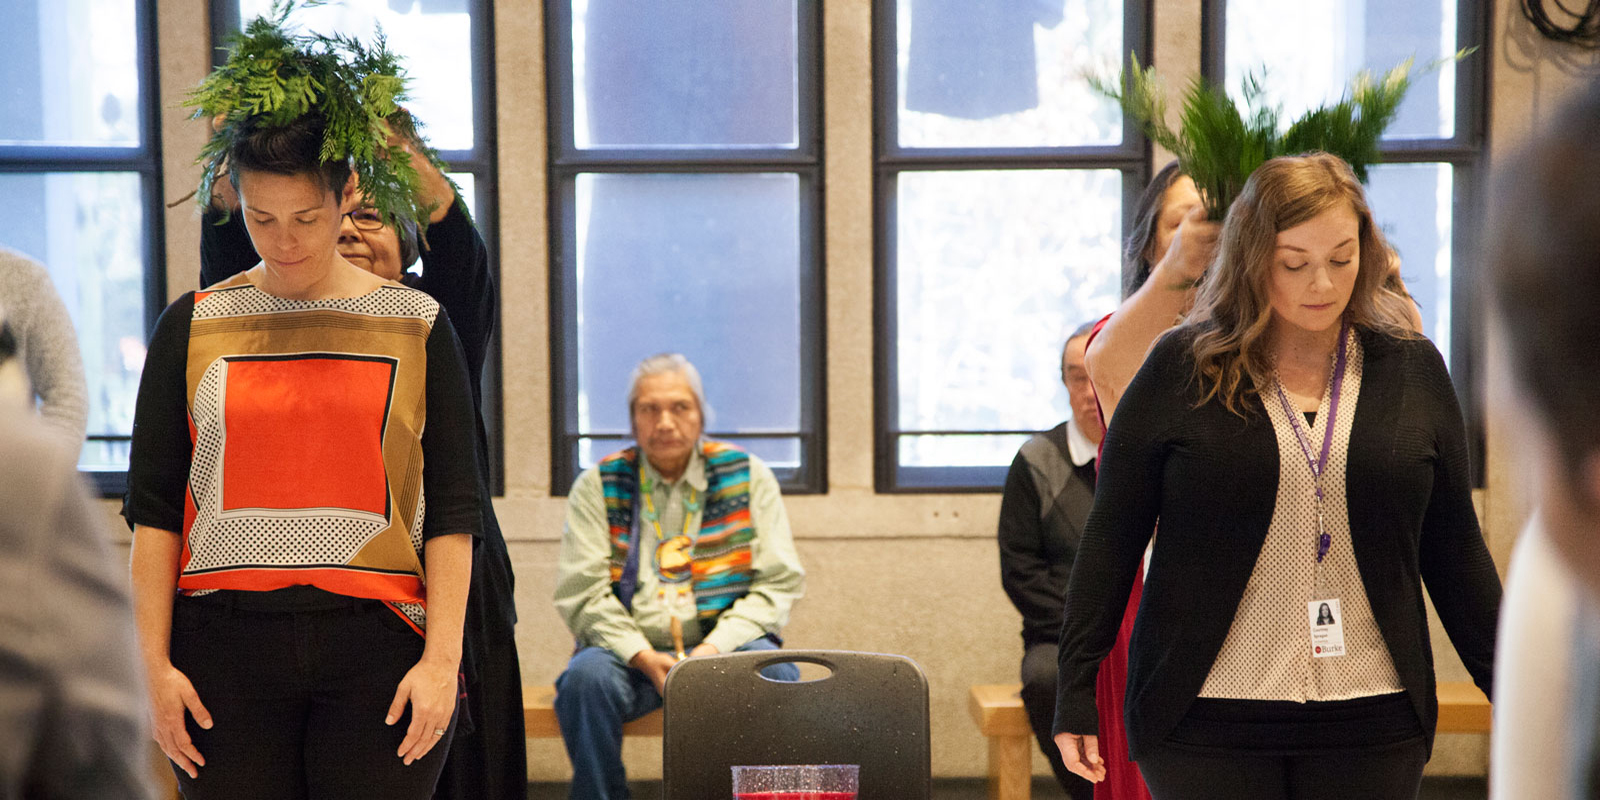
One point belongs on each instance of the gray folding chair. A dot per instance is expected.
(871, 710)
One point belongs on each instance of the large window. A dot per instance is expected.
(1004, 182)
(1424, 194)
(685, 206)
(81, 183)
(448, 52)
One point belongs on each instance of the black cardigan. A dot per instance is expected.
(1211, 478)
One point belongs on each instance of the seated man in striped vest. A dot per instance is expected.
(674, 548)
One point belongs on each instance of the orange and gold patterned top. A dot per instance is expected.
(305, 442)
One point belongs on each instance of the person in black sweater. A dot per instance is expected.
(1299, 444)
(1048, 491)
(488, 757)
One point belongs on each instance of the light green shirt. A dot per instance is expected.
(595, 615)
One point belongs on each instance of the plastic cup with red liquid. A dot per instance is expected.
(796, 782)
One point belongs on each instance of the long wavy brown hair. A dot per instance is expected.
(1231, 314)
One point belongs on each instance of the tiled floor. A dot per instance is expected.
(1043, 789)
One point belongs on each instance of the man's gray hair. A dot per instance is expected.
(662, 363)
(1082, 330)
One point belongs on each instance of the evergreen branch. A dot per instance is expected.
(1218, 146)
(1143, 97)
(274, 76)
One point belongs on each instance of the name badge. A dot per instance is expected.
(1327, 628)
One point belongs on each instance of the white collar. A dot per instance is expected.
(1083, 451)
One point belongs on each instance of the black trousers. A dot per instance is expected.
(1039, 670)
(1393, 772)
(298, 701)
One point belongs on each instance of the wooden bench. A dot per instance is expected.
(539, 716)
(1462, 708)
(998, 711)
(997, 708)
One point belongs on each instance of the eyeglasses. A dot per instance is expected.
(366, 219)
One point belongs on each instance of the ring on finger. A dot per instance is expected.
(438, 731)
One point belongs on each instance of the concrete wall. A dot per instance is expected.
(916, 575)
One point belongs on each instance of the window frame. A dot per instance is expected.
(1131, 157)
(1466, 152)
(482, 161)
(567, 162)
(143, 159)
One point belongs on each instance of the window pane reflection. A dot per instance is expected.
(1412, 203)
(1007, 73)
(993, 270)
(961, 450)
(1307, 71)
(711, 73)
(87, 228)
(705, 265)
(71, 73)
(434, 37)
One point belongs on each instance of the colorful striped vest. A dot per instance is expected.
(720, 563)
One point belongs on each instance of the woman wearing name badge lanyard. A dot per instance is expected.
(1300, 447)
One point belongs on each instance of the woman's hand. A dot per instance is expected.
(1193, 247)
(431, 689)
(1081, 754)
(171, 694)
(437, 191)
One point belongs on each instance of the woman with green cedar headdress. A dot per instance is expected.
(488, 756)
(302, 483)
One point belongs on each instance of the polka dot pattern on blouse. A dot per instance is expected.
(1267, 653)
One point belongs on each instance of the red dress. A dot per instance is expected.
(1123, 781)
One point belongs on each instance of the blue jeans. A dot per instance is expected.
(595, 696)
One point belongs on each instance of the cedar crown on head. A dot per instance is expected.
(274, 76)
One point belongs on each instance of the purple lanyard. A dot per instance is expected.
(1318, 464)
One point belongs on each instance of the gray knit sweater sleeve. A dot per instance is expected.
(46, 342)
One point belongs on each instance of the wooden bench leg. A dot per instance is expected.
(1010, 768)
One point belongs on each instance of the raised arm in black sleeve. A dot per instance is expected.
(1024, 568)
(455, 272)
(1453, 558)
(158, 461)
(1126, 504)
(225, 249)
(450, 482)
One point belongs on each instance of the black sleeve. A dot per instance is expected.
(1024, 569)
(158, 460)
(449, 441)
(1118, 529)
(1454, 560)
(455, 272)
(225, 249)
